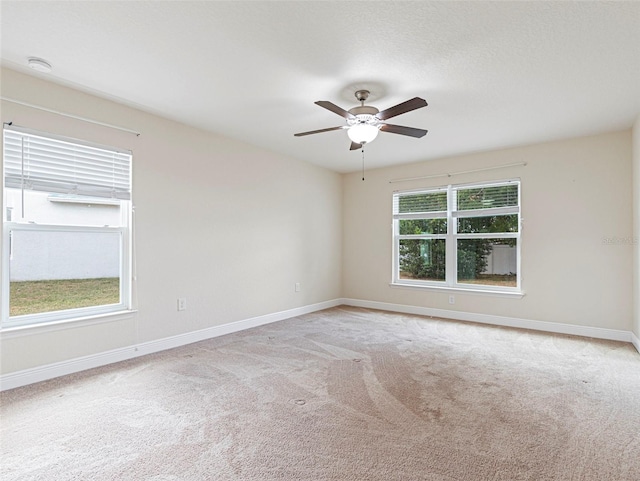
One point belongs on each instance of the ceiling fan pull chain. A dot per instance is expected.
(363, 162)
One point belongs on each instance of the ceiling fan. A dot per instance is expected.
(364, 122)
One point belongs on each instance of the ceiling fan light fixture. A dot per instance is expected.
(362, 133)
(365, 121)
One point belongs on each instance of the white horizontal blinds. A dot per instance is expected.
(487, 197)
(420, 202)
(37, 162)
(487, 209)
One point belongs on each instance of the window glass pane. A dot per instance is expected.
(53, 270)
(421, 202)
(422, 259)
(62, 209)
(490, 224)
(422, 226)
(491, 262)
(487, 197)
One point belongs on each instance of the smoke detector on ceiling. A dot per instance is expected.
(39, 65)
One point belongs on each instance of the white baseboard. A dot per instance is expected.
(555, 327)
(50, 371)
(635, 341)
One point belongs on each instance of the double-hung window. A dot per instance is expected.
(458, 236)
(66, 228)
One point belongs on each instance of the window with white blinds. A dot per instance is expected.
(66, 229)
(458, 236)
(50, 164)
(487, 197)
(427, 201)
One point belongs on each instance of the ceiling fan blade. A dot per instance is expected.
(355, 146)
(408, 106)
(335, 109)
(399, 129)
(320, 131)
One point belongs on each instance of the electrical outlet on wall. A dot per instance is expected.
(297, 287)
(182, 303)
(452, 299)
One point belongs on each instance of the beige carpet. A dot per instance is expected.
(342, 394)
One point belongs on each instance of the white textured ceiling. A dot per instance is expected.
(495, 74)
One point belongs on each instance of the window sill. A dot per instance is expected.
(58, 325)
(461, 290)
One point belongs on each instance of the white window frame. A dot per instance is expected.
(125, 266)
(451, 238)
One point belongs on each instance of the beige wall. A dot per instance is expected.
(228, 226)
(232, 227)
(575, 194)
(636, 226)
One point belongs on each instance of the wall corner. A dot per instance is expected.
(636, 226)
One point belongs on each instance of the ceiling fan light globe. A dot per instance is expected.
(362, 133)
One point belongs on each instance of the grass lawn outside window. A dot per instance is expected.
(34, 297)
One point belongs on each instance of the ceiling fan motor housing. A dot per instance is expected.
(364, 110)
(363, 115)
